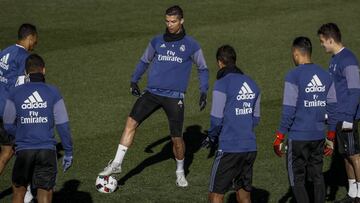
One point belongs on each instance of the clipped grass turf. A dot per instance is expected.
(91, 48)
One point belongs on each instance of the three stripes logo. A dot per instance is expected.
(245, 92)
(315, 85)
(34, 101)
(4, 61)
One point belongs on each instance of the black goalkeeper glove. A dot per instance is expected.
(134, 89)
(202, 102)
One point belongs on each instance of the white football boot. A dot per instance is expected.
(180, 179)
(112, 167)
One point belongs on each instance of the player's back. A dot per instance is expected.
(309, 84)
(34, 103)
(237, 133)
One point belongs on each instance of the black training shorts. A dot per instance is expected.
(5, 138)
(232, 171)
(35, 166)
(148, 103)
(348, 141)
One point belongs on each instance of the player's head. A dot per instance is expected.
(226, 56)
(174, 19)
(301, 50)
(34, 64)
(27, 36)
(330, 36)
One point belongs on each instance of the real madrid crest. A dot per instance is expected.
(182, 48)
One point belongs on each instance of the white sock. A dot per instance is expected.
(120, 153)
(358, 189)
(352, 188)
(179, 165)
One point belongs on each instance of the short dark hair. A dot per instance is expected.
(226, 54)
(303, 44)
(330, 30)
(25, 30)
(34, 63)
(174, 10)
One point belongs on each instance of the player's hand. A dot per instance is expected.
(202, 102)
(134, 89)
(208, 142)
(278, 144)
(67, 162)
(329, 143)
(347, 126)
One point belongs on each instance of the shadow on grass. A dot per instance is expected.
(69, 193)
(193, 138)
(257, 196)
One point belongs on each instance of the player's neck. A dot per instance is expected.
(22, 43)
(338, 48)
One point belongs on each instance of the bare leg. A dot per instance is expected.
(216, 197)
(349, 169)
(18, 194)
(6, 153)
(44, 196)
(355, 167)
(178, 147)
(127, 137)
(243, 196)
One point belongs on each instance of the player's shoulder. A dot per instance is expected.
(348, 57)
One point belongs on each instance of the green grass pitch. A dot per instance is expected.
(91, 48)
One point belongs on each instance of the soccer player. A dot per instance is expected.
(170, 57)
(309, 94)
(344, 70)
(235, 112)
(12, 67)
(31, 112)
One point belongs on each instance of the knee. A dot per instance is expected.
(6, 153)
(131, 124)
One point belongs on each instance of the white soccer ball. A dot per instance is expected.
(106, 184)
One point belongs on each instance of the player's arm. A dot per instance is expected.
(331, 108)
(9, 117)
(217, 113)
(62, 126)
(351, 73)
(291, 92)
(202, 69)
(256, 114)
(143, 64)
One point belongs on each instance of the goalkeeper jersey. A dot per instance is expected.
(344, 70)
(309, 94)
(170, 65)
(235, 112)
(12, 65)
(31, 113)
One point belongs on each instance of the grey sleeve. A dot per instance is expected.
(9, 112)
(199, 59)
(291, 92)
(149, 54)
(331, 96)
(257, 106)
(352, 76)
(60, 113)
(218, 104)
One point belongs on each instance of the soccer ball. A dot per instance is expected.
(106, 184)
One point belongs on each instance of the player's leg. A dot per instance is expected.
(174, 109)
(142, 109)
(5, 155)
(297, 155)
(315, 166)
(222, 175)
(44, 177)
(18, 194)
(44, 196)
(22, 173)
(242, 182)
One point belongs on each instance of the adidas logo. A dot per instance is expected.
(163, 46)
(245, 92)
(315, 85)
(4, 61)
(34, 101)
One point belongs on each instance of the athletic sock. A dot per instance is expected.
(352, 188)
(120, 153)
(179, 165)
(358, 189)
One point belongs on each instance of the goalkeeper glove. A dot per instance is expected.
(208, 142)
(67, 162)
(278, 144)
(329, 143)
(134, 89)
(202, 102)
